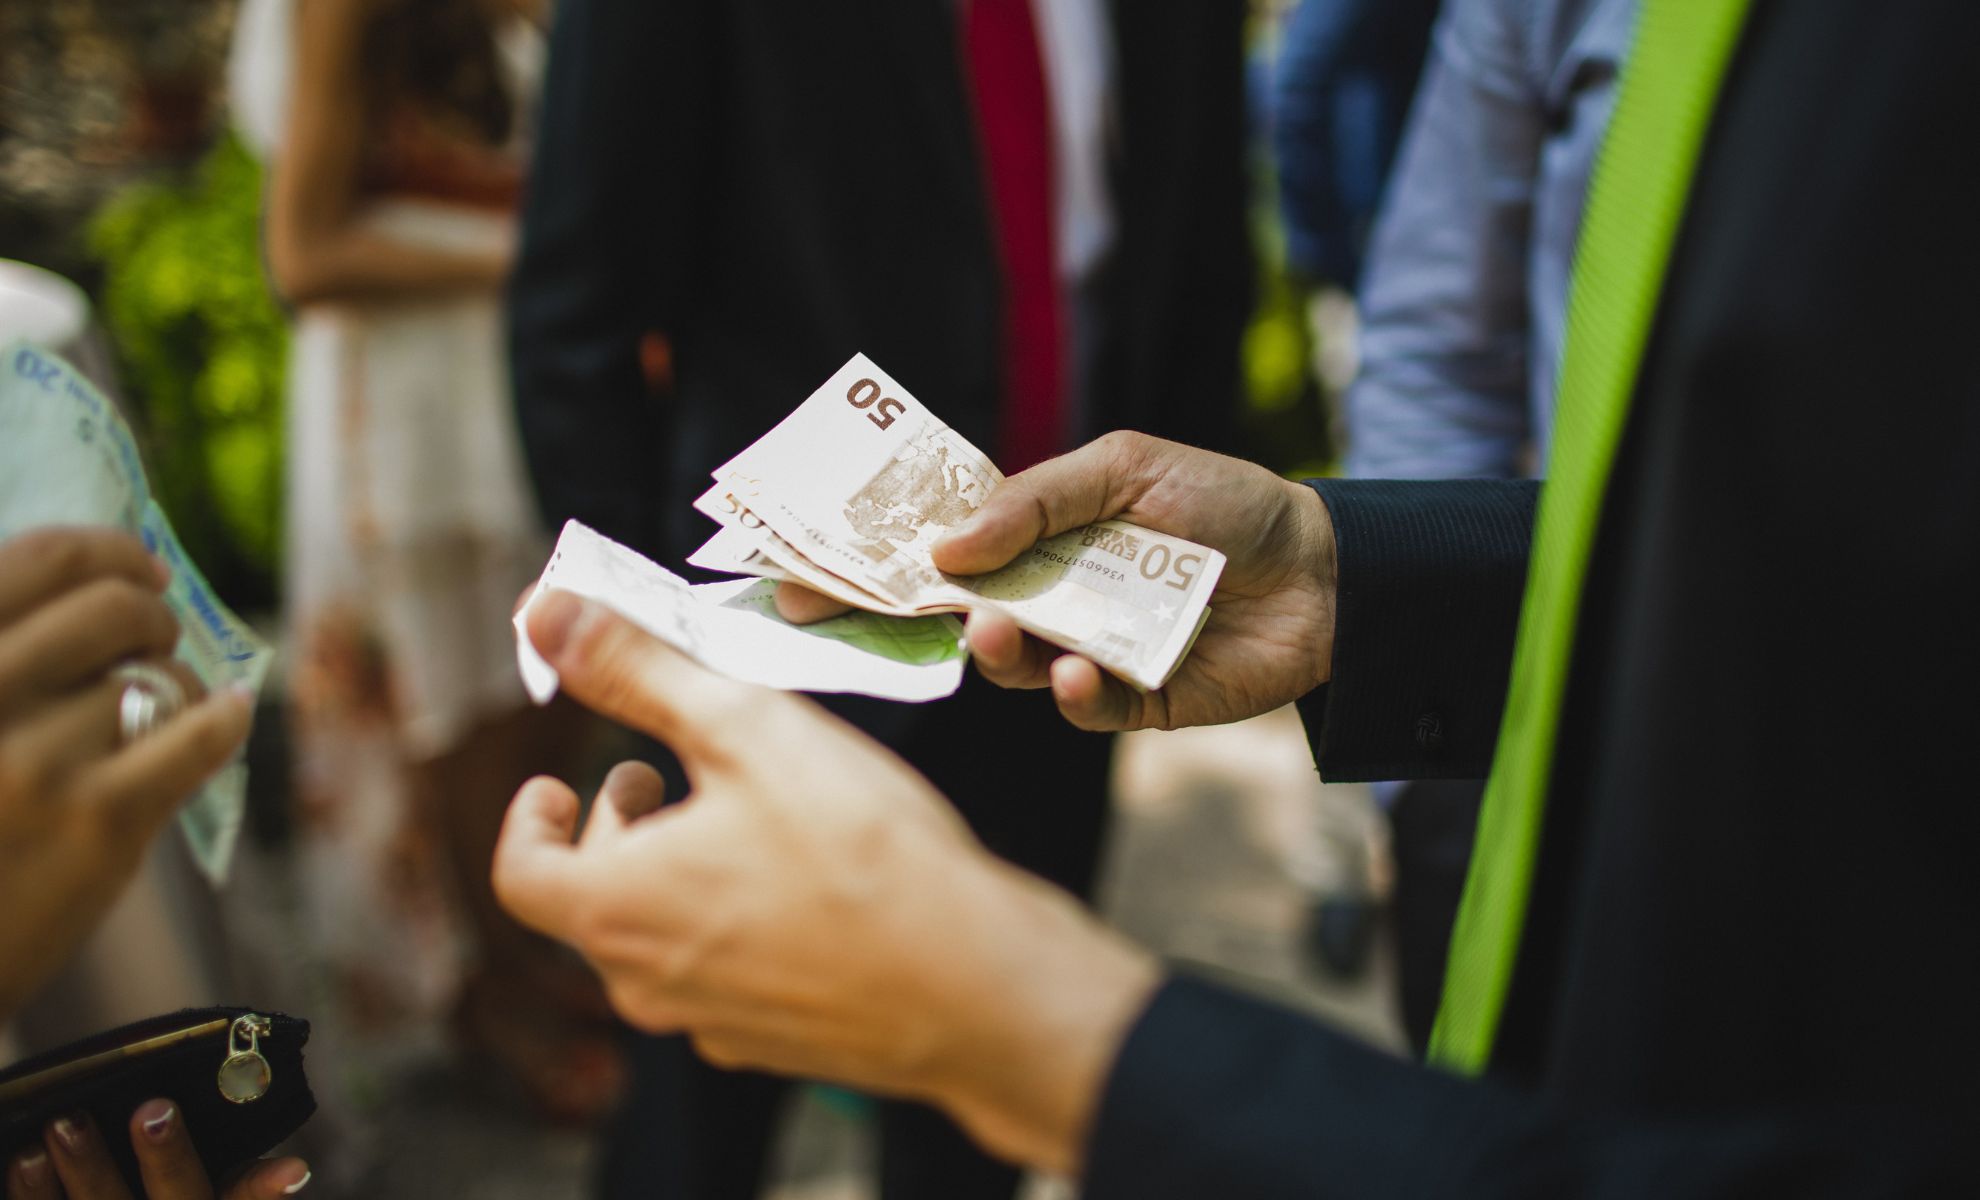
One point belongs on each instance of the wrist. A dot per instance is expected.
(1316, 556)
(1053, 997)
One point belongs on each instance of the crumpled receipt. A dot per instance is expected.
(733, 628)
(68, 458)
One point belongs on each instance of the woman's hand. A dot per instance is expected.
(74, 1163)
(78, 806)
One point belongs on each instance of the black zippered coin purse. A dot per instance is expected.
(235, 1074)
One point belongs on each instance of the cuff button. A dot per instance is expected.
(1430, 731)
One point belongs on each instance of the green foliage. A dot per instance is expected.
(1286, 417)
(203, 346)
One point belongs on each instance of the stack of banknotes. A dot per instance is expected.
(846, 496)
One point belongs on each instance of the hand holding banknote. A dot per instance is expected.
(848, 495)
(79, 802)
(66, 459)
(813, 907)
(1269, 636)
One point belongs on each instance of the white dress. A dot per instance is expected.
(410, 531)
(410, 517)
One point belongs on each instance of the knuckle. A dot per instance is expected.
(677, 963)
(643, 1007)
(1080, 719)
(100, 828)
(170, 1162)
(595, 636)
(195, 688)
(1041, 511)
(1118, 441)
(719, 1050)
(733, 705)
(1128, 448)
(591, 923)
(212, 740)
(137, 610)
(629, 1002)
(58, 554)
(1100, 716)
(23, 779)
(604, 654)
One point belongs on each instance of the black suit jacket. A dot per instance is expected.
(774, 186)
(1751, 963)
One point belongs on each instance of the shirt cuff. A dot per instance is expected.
(1426, 606)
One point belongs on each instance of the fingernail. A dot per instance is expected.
(33, 1168)
(163, 572)
(155, 1118)
(556, 615)
(69, 1132)
(299, 1184)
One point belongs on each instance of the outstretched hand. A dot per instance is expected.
(814, 907)
(1269, 639)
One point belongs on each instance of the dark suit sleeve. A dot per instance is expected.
(1214, 1094)
(605, 215)
(1431, 575)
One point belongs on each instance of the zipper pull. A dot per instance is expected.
(245, 1075)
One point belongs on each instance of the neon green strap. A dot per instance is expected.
(1668, 88)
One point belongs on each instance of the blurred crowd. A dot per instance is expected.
(393, 288)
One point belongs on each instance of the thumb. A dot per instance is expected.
(800, 605)
(620, 671)
(1094, 482)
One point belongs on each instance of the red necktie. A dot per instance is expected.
(1014, 124)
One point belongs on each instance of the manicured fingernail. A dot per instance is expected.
(155, 1118)
(557, 614)
(69, 1132)
(299, 1184)
(33, 1168)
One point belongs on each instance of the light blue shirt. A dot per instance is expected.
(1465, 294)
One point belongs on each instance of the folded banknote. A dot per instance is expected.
(733, 628)
(68, 458)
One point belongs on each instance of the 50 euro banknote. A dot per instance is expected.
(733, 628)
(848, 494)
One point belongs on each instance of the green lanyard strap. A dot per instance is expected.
(1668, 88)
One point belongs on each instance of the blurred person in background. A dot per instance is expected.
(1030, 213)
(1463, 306)
(79, 804)
(394, 133)
(1341, 88)
(1465, 298)
(1694, 659)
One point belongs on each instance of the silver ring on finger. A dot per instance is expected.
(151, 697)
